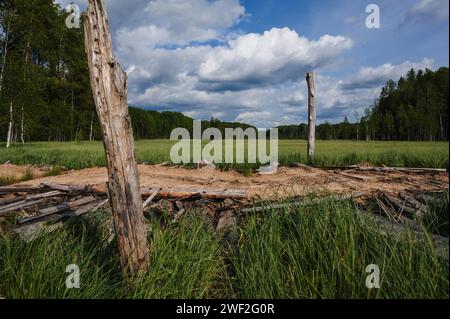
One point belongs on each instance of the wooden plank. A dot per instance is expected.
(149, 200)
(11, 199)
(57, 209)
(109, 86)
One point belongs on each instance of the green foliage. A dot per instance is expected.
(318, 251)
(45, 75)
(184, 263)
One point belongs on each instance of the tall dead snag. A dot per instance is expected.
(109, 86)
(310, 79)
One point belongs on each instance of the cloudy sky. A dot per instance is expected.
(245, 60)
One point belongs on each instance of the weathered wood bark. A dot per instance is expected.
(310, 79)
(109, 85)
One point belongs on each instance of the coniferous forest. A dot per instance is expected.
(45, 91)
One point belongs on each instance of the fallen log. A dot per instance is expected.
(67, 188)
(384, 169)
(184, 192)
(57, 209)
(303, 203)
(402, 206)
(22, 189)
(396, 229)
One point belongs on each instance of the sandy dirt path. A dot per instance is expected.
(287, 182)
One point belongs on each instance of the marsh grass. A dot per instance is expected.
(9, 180)
(315, 251)
(78, 155)
(54, 171)
(322, 251)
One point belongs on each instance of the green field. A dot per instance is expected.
(321, 251)
(73, 155)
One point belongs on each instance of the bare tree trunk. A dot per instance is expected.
(92, 128)
(109, 85)
(71, 116)
(310, 79)
(77, 133)
(10, 128)
(22, 138)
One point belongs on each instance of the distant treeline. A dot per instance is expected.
(159, 125)
(413, 109)
(44, 82)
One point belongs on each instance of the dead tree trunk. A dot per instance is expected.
(109, 86)
(310, 79)
(10, 127)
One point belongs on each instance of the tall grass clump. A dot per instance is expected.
(322, 251)
(184, 263)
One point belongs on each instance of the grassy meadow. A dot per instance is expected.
(320, 251)
(78, 155)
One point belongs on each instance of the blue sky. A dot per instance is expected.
(245, 60)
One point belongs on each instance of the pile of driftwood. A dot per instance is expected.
(45, 207)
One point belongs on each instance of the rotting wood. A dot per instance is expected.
(184, 192)
(67, 188)
(10, 200)
(396, 229)
(57, 209)
(33, 231)
(109, 86)
(311, 81)
(27, 202)
(22, 189)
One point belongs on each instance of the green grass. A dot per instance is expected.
(323, 251)
(9, 180)
(319, 251)
(78, 155)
